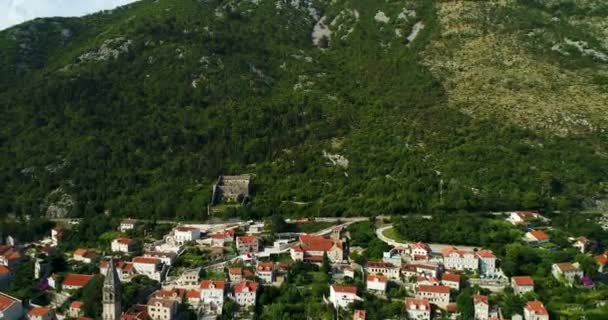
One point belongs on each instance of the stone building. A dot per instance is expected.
(231, 189)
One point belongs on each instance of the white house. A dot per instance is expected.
(536, 237)
(125, 270)
(459, 259)
(385, 268)
(265, 272)
(152, 268)
(75, 309)
(162, 309)
(212, 295)
(524, 217)
(245, 293)
(311, 248)
(420, 251)
(581, 243)
(83, 255)
(56, 235)
(418, 309)
(439, 295)
(41, 313)
(247, 244)
(481, 306)
(342, 296)
(75, 281)
(167, 258)
(451, 280)
(184, 234)
(122, 244)
(487, 262)
(535, 310)
(522, 284)
(567, 271)
(11, 308)
(376, 282)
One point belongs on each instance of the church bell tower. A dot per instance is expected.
(112, 308)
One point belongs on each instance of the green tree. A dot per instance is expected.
(325, 265)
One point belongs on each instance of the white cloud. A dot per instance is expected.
(13, 12)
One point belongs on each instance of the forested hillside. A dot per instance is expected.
(342, 107)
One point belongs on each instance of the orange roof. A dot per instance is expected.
(379, 278)
(435, 289)
(485, 254)
(602, 259)
(4, 270)
(311, 238)
(537, 307)
(526, 214)
(38, 312)
(344, 289)
(193, 294)
(240, 287)
(359, 315)
(539, 235)
(123, 240)
(145, 260)
(6, 301)
(566, 266)
(523, 280)
(379, 264)
(77, 280)
(264, 266)
(417, 302)
(76, 304)
(185, 229)
(218, 235)
(170, 293)
(247, 239)
(453, 277)
(235, 271)
(218, 284)
(81, 252)
(422, 245)
(480, 298)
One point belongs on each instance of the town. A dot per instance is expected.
(229, 270)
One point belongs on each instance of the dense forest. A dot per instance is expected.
(136, 111)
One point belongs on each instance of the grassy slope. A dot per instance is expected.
(139, 139)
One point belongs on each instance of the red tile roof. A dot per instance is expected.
(264, 266)
(218, 284)
(523, 280)
(344, 289)
(380, 264)
(81, 252)
(359, 315)
(539, 235)
(6, 301)
(235, 271)
(145, 260)
(537, 307)
(566, 266)
(76, 304)
(453, 277)
(417, 302)
(170, 293)
(4, 270)
(485, 254)
(38, 312)
(434, 289)
(77, 280)
(602, 259)
(123, 240)
(193, 294)
(247, 239)
(480, 298)
(240, 287)
(379, 278)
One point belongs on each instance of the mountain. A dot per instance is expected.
(341, 107)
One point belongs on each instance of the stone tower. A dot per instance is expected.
(112, 309)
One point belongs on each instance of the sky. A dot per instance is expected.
(13, 12)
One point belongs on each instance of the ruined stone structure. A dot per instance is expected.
(231, 189)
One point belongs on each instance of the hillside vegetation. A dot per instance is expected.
(341, 107)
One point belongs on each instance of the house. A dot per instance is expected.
(219, 239)
(385, 268)
(414, 270)
(245, 293)
(265, 272)
(456, 259)
(567, 271)
(522, 284)
(176, 294)
(524, 217)
(41, 313)
(136, 312)
(125, 270)
(75, 281)
(6, 276)
(349, 272)
(439, 295)
(11, 308)
(487, 262)
(184, 234)
(418, 309)
(393, 257)
(312, 248)
(376, 282)
(247, 244)
(581, 243)
(10, 256)
(342, 296)
(188, 279)
(56, 235)
(162, 309)
(451, 280)
(127, 224)
(212, 295)
(359, 315)
(420, 251)
(84, 255)
(535, 310)
(235, 274)
(481, 306)
(75, 309)
(602, 260)
(168, 258)
(536, 237)
(152, 268)
(424, 280)
(122, 244)
(193, 298)
(53, 280)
